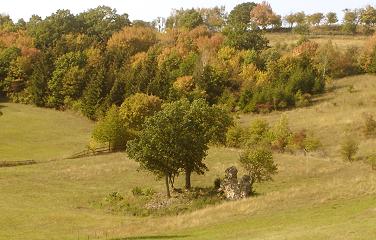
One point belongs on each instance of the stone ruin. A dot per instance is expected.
(233, 189)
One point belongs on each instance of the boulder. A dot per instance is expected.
(231, 188)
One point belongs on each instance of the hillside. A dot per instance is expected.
(317, 196)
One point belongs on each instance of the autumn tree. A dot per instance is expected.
(131, 40)
(136, 108)
(368, 17)
(262, 15)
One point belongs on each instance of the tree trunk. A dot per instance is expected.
(167, 187)
(188, 179)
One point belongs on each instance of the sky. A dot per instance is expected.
(150, 9)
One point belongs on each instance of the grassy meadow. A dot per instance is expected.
(342, 41)
(40, 134)
(317, 196)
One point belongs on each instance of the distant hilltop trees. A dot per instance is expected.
(96, 59)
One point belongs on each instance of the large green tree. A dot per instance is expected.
(176, 138)
(240, 15)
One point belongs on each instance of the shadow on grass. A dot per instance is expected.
(154, 237)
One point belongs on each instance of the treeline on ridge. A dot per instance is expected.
(99, 58)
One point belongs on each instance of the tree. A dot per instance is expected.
(111, 130)
(241, 38)
(176, 138)
(290, 19)
(212, 82)
(315, 19)
(368, 17)
(93, 95)
(182, 18)
(39, 78)
(331, 18)
(240, 15)
(259, 164)
(46, 32)
(300, 18)
(350, 21)
(101, 22)
(67, 79)
(131, 40)
(262, 15)
(137, 108)
(214, 18)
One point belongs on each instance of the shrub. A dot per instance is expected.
(303, 141)
(234, 136)
(259, 164)
(217, 183)
(296, 140)
(369, 128)
(349, 147)
(258, 133)
(302, 100)
(138, 191)
(311, 143)
(114, 197)
(281, 134)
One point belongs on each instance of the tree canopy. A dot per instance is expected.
(176, 138)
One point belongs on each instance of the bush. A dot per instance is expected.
(217, 183)
(234, 136)
(311, 143)
(281, 134)
(349, 147)
(302, 100)
(303, 141)
(369, 128)
(114, 197)
(259, 164)
(138, 191)
(258, 133)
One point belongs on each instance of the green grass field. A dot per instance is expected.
(316, 197)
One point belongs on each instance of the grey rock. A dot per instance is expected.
(233, 189)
